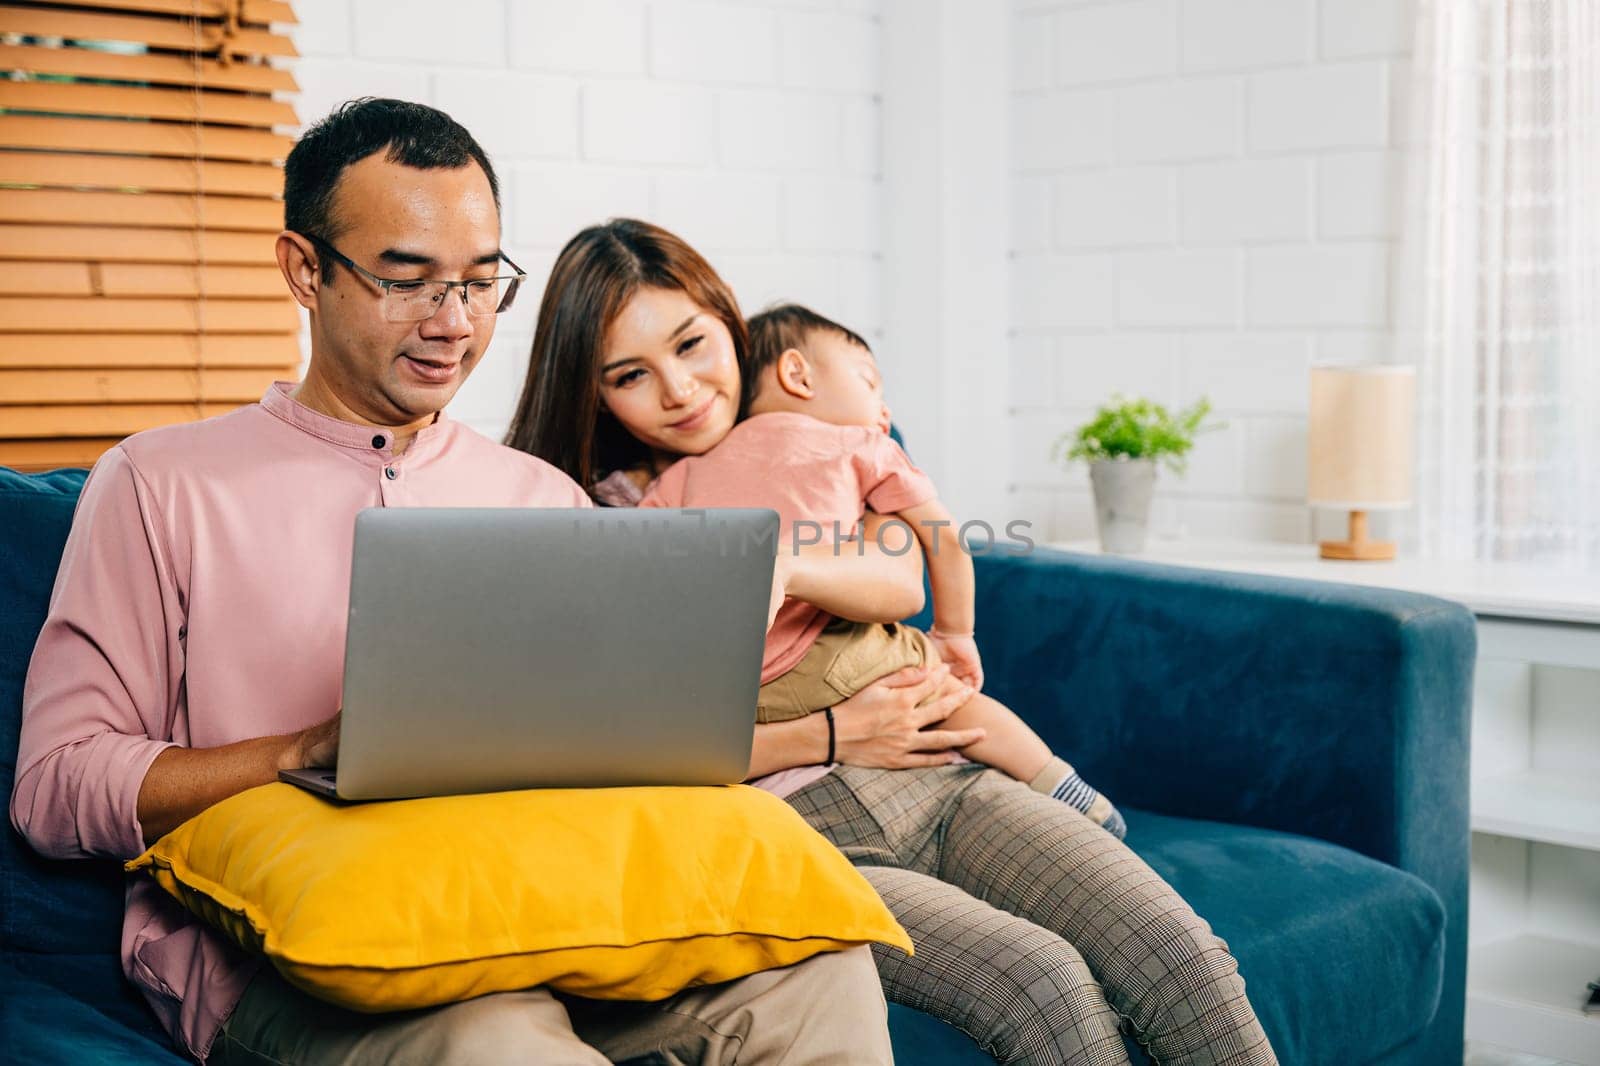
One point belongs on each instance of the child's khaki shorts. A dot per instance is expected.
(847, 657)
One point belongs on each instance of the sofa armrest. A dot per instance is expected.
(1334, 711)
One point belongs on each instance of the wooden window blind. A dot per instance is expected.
(140, 182)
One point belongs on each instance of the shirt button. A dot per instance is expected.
(390, 472)
(377, 442)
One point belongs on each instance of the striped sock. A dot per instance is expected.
(1059, 780)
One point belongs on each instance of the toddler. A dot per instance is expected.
(815, 447)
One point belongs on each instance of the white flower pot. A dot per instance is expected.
(1122, 489)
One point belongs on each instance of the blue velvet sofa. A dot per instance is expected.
(1292, 756)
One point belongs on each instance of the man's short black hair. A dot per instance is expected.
(779, 328)
(415, 135)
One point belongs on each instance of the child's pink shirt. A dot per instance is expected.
(803, 468)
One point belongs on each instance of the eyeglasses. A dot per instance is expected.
(412, 300)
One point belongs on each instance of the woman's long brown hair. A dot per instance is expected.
(559, 417)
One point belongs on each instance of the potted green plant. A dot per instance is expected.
(1122, 444)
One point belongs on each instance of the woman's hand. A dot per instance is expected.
(887, 723)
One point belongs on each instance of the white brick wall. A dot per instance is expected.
(1116, 208)
(1119, 42)
(1177, 288)
(1341, 105)
(750, 126)
(1240, 201)
(1242, 34)
(1202, 198)
(1203, 203)
(1197, 118)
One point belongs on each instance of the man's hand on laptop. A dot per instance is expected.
(317, 746)
(182, 782)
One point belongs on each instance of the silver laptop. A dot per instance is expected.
(495, 649)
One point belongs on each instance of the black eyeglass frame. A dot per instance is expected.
(384, 284)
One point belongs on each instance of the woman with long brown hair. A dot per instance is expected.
(1037, 932)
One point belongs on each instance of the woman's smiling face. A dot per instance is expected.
(669, 375)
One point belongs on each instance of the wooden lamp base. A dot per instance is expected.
(1358, 547)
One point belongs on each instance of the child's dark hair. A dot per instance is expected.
(779, 328)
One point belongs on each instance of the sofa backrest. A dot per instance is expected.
(45, 905)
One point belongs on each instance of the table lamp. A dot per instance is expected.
(1361, 442)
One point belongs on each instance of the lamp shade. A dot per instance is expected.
(1362, 436)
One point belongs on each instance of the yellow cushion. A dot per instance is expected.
(628, 893)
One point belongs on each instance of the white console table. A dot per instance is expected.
(1534, 929)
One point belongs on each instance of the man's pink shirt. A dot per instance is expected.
(201, 601)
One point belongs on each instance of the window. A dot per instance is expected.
(140, 177)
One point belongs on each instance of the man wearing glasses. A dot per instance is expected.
(195, 636)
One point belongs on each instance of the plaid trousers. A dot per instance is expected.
(1037, 932)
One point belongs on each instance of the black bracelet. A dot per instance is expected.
(829, 712)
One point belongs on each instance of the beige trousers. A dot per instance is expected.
(826, 1011)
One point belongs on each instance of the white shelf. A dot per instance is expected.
(1540, 805)
(1528, 991)
(1547, 643)
(1506, 590)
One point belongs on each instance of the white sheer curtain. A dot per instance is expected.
(1499, 297)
